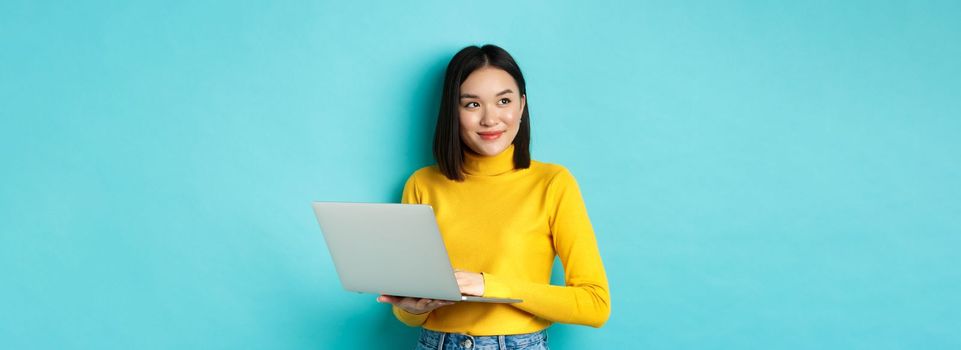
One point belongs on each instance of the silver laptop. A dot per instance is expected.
(392, 249)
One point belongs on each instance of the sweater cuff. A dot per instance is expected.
(495, 287)
(410, 319)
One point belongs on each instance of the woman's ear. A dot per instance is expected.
(523, 102)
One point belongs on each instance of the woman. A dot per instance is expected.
(503, 217)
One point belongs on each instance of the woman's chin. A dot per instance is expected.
(489, 150)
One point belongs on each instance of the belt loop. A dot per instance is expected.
(440, 341)
(501, 343)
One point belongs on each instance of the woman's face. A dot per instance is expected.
(490, 110)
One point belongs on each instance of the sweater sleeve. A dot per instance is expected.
(585, 298)
(410, 196)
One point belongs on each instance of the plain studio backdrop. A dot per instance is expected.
(759, 175)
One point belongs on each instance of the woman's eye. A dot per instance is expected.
(505, 101)
(471, 104)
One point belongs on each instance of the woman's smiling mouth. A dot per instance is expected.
(490, 135)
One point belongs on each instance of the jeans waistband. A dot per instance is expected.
(436, 340)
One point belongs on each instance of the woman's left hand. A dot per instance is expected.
(470, 283)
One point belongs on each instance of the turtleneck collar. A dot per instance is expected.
(475, 164)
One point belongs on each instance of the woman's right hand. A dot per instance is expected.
(414, 305)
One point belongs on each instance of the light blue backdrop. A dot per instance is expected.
(759, 175)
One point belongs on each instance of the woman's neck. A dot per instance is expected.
(476, 164)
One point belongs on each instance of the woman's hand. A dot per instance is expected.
(413, 305)
(470, 283)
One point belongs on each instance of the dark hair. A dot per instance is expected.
(448, 147)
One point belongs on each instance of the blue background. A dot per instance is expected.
(759, 175)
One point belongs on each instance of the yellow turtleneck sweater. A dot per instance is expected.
(508, 225)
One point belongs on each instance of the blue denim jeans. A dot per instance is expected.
(431, 340)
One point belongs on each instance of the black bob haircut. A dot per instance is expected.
(448, 147)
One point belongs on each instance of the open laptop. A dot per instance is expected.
(391, 249)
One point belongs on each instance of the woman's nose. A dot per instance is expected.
(488, 119)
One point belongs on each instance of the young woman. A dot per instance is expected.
(503, 216)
